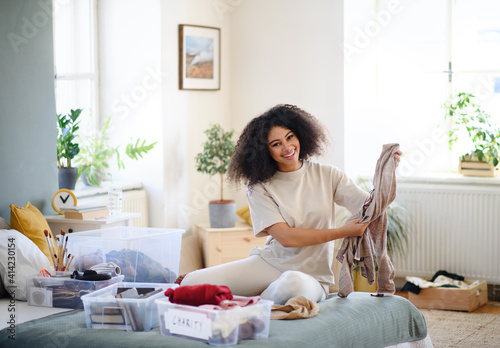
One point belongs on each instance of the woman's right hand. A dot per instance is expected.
(354, 229)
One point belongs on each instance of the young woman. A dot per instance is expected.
(291, 203)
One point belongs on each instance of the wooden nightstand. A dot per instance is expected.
(56, 222)
(221, 245)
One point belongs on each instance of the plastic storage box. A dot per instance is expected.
(217, 327)
(61, 290)
(104, 311)
(148, 255)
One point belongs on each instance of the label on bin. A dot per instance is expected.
(188, 323)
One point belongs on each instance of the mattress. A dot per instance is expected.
(360, 320)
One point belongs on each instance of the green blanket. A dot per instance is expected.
(359, 320)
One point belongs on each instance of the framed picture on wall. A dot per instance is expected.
(199, 57)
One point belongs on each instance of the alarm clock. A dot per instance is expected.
(63, 198)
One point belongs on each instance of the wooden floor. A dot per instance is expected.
(491, 307)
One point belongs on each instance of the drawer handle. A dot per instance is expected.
(246, 239)
(218, 250)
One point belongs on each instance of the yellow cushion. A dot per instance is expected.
(31, 222)
(244, 213)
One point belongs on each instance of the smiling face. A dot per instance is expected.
(284, 147)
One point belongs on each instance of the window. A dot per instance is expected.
(403, 59)
(75, 60)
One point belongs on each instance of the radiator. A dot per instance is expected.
(455, 228)
(134, 201)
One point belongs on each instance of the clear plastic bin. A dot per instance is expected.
(61, 290)
(146, 255)
(104, 311)
(217, 327)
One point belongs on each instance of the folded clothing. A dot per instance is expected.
(415, 284)
(196, 295)
(235, 302)
(295, 308)
(440, 279)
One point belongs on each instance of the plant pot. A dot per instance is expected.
(99, 177)
(361, 283)
(472, 167)
(67, 177)
(222, 214)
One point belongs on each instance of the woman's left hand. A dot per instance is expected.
(397, 157)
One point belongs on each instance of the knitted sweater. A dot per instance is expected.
(359, 251)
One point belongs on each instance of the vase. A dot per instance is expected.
(361, 283)
(222, 213)
(67, 177)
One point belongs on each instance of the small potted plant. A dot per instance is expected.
(471, 125)
(214, 160)
(67, 148)
(95, 154)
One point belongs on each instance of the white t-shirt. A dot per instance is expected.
(303, 198)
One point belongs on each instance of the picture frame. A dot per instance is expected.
(199, 58)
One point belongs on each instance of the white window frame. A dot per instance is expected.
(93, 75)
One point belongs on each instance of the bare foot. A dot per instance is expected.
(179, 279)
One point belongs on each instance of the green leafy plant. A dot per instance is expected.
(216, 154)
(399, 226)
(467, 117)
(67, 129)
(95, 155)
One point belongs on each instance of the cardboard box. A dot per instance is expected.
(215, 327)
(147, 255)
(61, 290)
(104, 311)
(452, 298)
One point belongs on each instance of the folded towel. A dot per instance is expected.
(295, 308)
(196, 295)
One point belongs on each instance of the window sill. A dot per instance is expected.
(82, 191)
(449, 179)
(444, 179)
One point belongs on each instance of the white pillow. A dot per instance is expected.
(29, 260)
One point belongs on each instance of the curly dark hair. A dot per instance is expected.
(252, 163)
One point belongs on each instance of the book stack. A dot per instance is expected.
(110, 318)
(127, 315)
(83, 212)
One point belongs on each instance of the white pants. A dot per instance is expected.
(254, 276)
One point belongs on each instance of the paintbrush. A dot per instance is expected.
(61, 250)
(50, 248)
(70, 260)
(52, 244)
(66, 264)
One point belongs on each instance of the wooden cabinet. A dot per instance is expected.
(221, 245)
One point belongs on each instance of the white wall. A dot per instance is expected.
(187, 114)
(286, 51)
(272, 51)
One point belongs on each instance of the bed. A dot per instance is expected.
(359, 320)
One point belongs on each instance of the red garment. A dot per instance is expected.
(196, 295)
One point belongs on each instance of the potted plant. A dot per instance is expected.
(95, 154)
(471, 125)
(214, 160)
(67, 149)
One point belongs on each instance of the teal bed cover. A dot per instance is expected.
(360, 320)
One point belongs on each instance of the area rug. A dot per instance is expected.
(461, 329)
